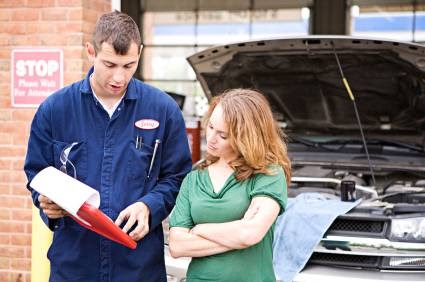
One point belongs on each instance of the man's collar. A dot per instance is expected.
(131, 93)
(85, 86)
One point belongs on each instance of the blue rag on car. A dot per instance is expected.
(300, 228)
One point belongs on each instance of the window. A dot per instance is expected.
(397, 20)
(170, 37)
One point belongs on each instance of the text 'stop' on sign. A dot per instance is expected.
(36, 73)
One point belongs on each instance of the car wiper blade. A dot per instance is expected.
(303, 141)
(314, 144)
(344, 142)
(397, 144)
(382, 142)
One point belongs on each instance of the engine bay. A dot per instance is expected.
(395, 192)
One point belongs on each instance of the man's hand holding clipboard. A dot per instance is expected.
(63, 195)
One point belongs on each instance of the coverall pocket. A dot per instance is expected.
(139, 161)
(76, 158)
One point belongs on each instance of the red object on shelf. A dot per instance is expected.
(103, 225)
(193, 132)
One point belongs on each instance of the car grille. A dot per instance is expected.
(346, 260)
(413, 263)
(350, 226)
(335, 252)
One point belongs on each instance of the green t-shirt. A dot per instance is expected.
(198, 203)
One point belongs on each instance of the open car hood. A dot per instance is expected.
(301, 79)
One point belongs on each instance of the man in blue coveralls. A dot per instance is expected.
(125, 139)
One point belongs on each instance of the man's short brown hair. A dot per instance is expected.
(117, 29)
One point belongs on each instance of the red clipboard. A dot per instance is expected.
(103, 225)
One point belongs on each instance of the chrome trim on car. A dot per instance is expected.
(378, 244)
(366, 251)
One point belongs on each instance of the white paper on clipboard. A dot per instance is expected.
(67, 192)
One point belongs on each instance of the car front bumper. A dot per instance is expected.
(176, 272)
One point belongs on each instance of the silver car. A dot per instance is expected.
(354, 113)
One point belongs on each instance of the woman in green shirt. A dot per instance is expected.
(225, 211)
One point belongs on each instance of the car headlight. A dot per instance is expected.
(408, 229)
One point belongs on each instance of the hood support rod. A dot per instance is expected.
(350, 93)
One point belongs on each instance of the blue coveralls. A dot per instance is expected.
(106, 159)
